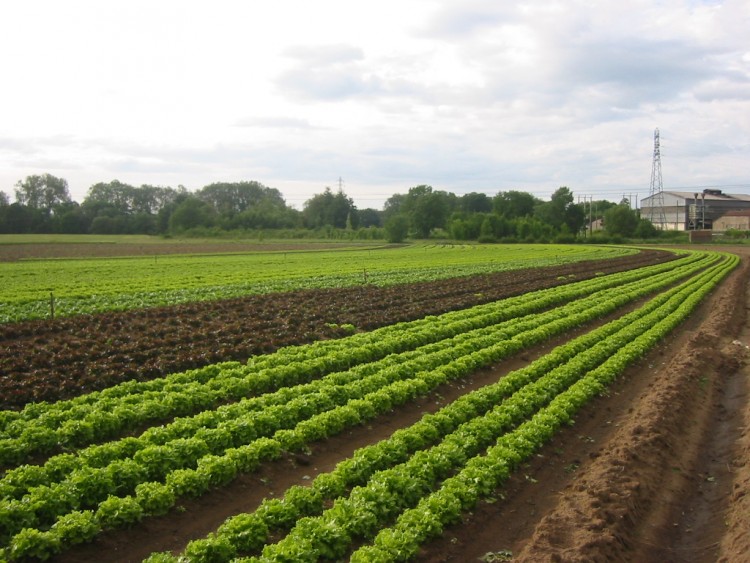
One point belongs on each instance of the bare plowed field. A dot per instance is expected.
(654, 470)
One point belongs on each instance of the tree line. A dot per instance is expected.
(43, 205)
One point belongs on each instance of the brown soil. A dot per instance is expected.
(656, 470)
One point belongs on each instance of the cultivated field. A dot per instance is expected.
(75, 286)
(435, 403)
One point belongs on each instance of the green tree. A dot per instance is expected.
(44, 192)
(561, 211)
(429, 212)
(115, 196)
(397, 228)
(465, 226)
(621, 220)
(70, 219)
(369, 217)
(393, 206)
(329, 209)
(149, 200)
(4, 201)
(514, 204)
(266, 214)
(165, 213)
(124, 199)
(532, 229)
(487, 230)
(248, 205)
(129, 209)
(190, 214)
(427, 209)
(19, 218)
(600, 206)
(501, 227)
(645, 229)
(475, 202)
(109, 225)
(575, 219)
(232, 198)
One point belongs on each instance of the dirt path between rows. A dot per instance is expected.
(656, 470)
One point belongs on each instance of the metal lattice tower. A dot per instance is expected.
(656, 212)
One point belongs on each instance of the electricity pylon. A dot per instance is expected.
(656, 212)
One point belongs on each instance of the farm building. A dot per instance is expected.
(739, 220)
(691, 210)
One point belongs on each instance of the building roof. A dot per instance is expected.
(720, 196)
(737, 213)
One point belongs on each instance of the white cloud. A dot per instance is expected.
(462, 95)
(274, 122)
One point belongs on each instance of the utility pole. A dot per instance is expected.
(693, 216)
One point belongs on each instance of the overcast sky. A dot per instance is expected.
(463, 95)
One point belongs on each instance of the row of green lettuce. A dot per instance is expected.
(71, 498)
(391, 497)
(42, 428)
(95, 285)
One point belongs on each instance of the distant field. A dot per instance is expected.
(89, 285)
(30, 247)
(154, 240)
